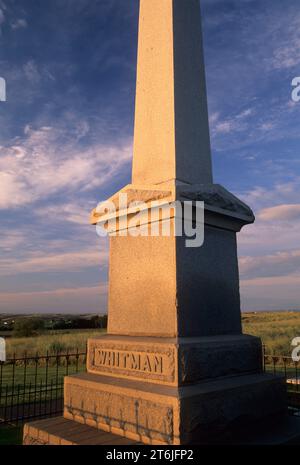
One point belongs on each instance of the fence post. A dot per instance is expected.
(263, 357)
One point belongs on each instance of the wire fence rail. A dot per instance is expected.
(32, 387)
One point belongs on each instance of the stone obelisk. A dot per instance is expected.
(171, 140)
(174, 367)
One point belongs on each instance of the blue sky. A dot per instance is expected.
(66, 135)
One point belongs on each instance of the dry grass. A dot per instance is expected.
(276, 329)
(52, 342)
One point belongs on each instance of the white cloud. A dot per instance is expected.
(245, 113)
(270, 254)
(268, 126)
(265, 237)
(45, 262)
(281, 213)
(261, 198)
(13, 190)
(224, 127)
(80, 300)
(20, 152)
(286, 40)
(278, 264)
(73, 212)
(275, 293)
(213, 118)
(277, 219)
(2, 16)
(31, 72)
(19, 24)
(235, 123)
(44, 163)
(10, 240)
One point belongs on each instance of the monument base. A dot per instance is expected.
(173, 391)
(156, 414)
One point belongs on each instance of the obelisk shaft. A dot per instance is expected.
(171, 140)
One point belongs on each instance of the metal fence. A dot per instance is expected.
(32, 386)
(290, 369)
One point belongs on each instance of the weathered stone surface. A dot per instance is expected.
(203, 359)
(174, 361)
(121, 407)
(142, 286)
(159, 287)
(212, 408)
(164, 415)
(207, 280)
(217, 197)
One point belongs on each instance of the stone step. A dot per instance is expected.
(61, 432)
(277, 433)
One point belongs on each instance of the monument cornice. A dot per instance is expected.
(222, 209)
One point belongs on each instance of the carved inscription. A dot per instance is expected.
(127, 360)
(146, 361)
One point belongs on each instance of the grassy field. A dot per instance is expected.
(276, 329)
(51, 342)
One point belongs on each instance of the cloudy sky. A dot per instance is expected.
(66, 142)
